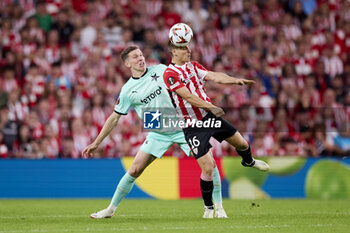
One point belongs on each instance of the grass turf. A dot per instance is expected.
(271, 216)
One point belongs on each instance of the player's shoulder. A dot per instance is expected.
(197, 65)
(127, 86)
(171, 68)
(160, 67)
(169, 72)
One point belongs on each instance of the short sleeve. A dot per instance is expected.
(201, 71)
(123, 104)
(172, 80)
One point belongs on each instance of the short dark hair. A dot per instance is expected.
(125, 52)
(56, 64)
(9, 68)
(33, 65)
(171, 47)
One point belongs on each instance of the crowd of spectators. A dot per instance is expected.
(61, 72)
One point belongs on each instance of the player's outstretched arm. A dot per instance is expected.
(222, 78)
(110, 123)
(198, 102)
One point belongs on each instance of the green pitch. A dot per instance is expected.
(155, 216)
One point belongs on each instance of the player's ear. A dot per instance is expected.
(173, 52)
(126, 63)
(170, 51)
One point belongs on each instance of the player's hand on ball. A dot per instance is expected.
(242, 81)
(89, 150)
(217, 111)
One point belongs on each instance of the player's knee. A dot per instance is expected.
(135, 171)
(208, 172)
(208, 169)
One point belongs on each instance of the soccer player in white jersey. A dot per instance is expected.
(185, 82)
(144, 90)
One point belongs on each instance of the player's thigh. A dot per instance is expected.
(238, 141)
(141, 161)
(179, 138)
(156, 144)
(224, 131)
(186, 149)
(212, 157)
(198, 140)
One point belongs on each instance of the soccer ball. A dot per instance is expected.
(180, 34)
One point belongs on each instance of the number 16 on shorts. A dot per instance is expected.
(194, 143)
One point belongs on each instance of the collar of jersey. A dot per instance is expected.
(141, 75)
(177, 65)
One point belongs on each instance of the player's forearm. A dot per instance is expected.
(224, 78)
(198, 102)
(193, 99)
(109, 125)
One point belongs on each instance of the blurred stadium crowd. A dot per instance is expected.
(61, 72)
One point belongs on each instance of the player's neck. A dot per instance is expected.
(138, 73)
(177, 62)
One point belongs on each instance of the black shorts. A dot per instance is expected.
(198, 137)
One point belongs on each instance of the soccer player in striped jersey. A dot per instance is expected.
(144, 90)
(185, 83)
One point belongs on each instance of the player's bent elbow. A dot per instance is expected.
(210, 76)
(192, 100)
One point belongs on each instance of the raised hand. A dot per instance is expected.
(87, 152)
(242, 81)
(217, 111)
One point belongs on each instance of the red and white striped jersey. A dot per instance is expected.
(71, 69)
(208, 52)
(25, 49)
(292, 32)
(37, 84)
(98, 117)
(26, 5)
(53, 148)
(37, 34)
(52, 53)
(333, 65)
(153, 7)
(53, 6)
(190, 75)
(17, 111)
(162, 35)
(89, 86)
(236, 6)
(9, 85)
(8, 40)
(81, 141)
(339, 41)
(18, 24)
(43, 64)
(37, 130)
(3, 151)
(303, 66)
